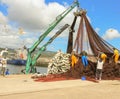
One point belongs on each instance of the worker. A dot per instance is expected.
(73, 58)
(115, 55)
(103, 56)
(0, 59)
(7, 72)
(84, 58)
(4, 65)
(99, 69)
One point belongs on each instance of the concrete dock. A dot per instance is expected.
(23, 87)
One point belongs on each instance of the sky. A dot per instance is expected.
(23, 21)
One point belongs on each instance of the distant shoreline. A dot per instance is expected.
(42, 61)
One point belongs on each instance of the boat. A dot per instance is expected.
(18, 58)
(21, 57)
(19, 62)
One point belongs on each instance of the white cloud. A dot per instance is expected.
(97, 30)
(111, 34)
(10, 38)
(9, 41)
(3, 19)
(32, 16)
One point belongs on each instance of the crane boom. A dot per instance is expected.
(50, 28)
(43, 48)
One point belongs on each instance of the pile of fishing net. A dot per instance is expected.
(57, 72)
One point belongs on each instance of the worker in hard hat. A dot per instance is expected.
(115, 55)
(103, 56)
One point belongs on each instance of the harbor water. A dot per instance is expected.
(13, 69)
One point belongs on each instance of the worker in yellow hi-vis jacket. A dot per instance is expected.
(73, 59)
(115, 55)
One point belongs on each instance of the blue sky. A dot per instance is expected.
(34, 16)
